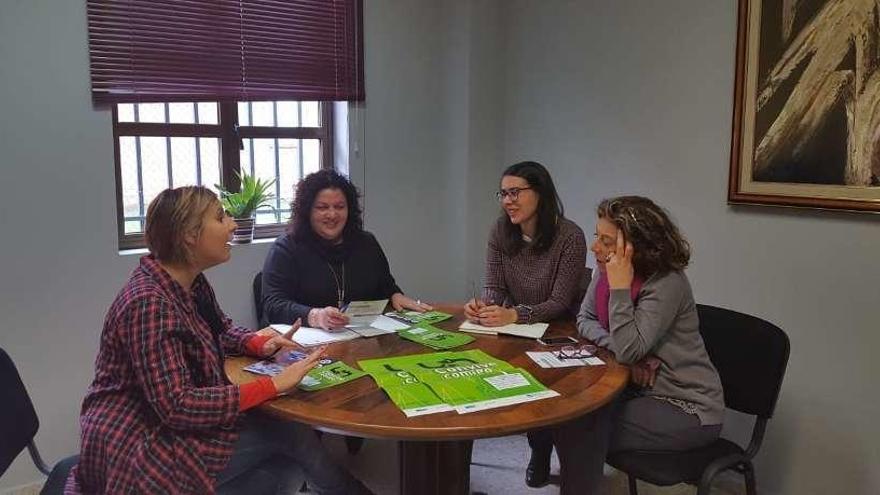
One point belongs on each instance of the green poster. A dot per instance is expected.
(470, 388)
(329, 375)
(468, 381)
(434, 337)
(405, 390)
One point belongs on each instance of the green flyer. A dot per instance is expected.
(466, 381)
(328, 375)
(414, 318)
(470, 385)
(405, 390)
(434, 337)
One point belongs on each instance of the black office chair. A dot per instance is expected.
(258, 298)
(583, 285)
(750, 355)
(19, 425)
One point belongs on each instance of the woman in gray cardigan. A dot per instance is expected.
(641, 307)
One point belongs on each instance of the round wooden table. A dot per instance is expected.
(435, 449)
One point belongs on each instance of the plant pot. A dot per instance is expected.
(244, 232)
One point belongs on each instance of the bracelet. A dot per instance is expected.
(523, 313)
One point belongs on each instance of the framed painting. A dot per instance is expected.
(806, 123)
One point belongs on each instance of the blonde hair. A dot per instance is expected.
(172, 215)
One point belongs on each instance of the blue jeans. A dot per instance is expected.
(270, 451)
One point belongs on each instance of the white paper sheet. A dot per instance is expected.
(307, 336)
(365, 308)
(373, 325)
(546, 359)
(532, 331)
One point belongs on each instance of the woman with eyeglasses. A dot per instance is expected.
(535, 262)
(641, 307)
(160, 415)
(536, 257)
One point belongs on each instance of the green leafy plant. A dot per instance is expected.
(253, 194)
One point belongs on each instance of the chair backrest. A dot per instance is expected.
(583, 285)
(258, 296)
(750, 354)
(18, 419)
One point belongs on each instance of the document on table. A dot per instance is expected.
(366, 318)
(365, 308)
(307, 336)
(373, 325)
(532, 331)
(547, 359)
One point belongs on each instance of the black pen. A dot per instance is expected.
(476, 300)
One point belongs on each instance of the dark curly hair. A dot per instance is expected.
(658, 246)
(550, 209)
(304, 197)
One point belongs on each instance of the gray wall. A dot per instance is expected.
(635, 96)
(58, 259)
(624, 96)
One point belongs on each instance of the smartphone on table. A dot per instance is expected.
(557, 340)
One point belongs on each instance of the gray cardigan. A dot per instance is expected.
(663, 323)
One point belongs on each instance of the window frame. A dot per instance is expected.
(230, 136)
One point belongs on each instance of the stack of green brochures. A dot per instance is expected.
(434, 337)
(413, 397)
(465, 381)
(414, 318)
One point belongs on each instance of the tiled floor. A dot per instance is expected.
(498, 468)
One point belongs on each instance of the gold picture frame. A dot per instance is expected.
(806, 121)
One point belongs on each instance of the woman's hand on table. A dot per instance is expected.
(328, 318)
(294, 373)
(472, 310)
(496, 316)
(278, 341)
(401, 302)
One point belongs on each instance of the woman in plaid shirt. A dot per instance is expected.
(160, 415)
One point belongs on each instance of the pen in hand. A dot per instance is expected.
(477, 302)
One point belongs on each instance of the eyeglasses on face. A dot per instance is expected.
(512, 193)
(576, 351)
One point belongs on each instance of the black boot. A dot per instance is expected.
(538, 470)
(353, 444)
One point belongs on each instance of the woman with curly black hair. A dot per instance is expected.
(641, 307)
(326, 259)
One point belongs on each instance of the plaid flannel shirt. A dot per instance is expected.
(160, 415)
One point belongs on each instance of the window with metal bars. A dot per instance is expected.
(172, 144)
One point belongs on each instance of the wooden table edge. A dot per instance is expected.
(615, 378)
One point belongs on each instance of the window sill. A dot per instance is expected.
(143, 251)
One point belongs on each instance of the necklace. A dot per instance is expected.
(340, 286)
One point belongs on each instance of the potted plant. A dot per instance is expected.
(242, 205)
